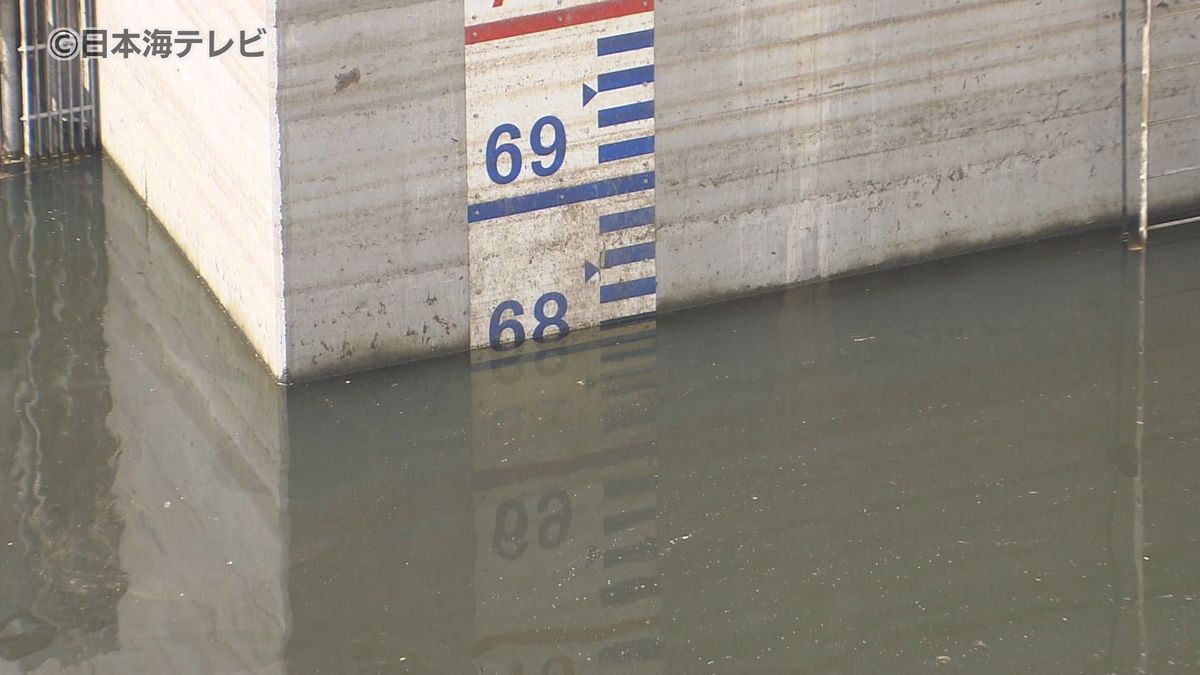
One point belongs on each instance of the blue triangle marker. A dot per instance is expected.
(589, 270)
(588, 95)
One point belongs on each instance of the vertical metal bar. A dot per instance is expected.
(60, 74)
(52, 71)
(76, 79)
(10, 90)
(48, 69)
(44, 120)
(77, 86)
(90, 95)
(47, 125)
(1125, 119)
(68, 103)
(68, 100)
(94, 75)
(33, 87)
(23, 29)
(84, 82)
(37, 44)
(1144, 177)
(56, 69)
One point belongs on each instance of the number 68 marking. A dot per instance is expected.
(557, 321)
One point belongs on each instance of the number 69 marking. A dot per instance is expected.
(496, 149)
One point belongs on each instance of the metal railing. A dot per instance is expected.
(53, 101)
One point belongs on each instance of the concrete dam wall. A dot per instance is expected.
(394, 180)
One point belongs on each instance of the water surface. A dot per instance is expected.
(987, 464)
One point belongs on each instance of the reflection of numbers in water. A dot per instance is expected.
(509, 538)
(559, 665)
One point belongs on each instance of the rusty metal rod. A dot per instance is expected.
(1144, 173)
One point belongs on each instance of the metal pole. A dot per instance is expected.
(34, 88)
(75, 81)
(68, 18)
(50, 101)
(87, 17)
(67, 101)
(42, 62)
(1125, 119)
(1144, 173)
(54, 71)
(68, 88)
(10, 86)
(26, 73)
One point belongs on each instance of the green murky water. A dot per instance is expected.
(932, 469)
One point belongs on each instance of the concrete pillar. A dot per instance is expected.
(193, 137)
(323, 189)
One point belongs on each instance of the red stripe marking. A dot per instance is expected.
(537, 23)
